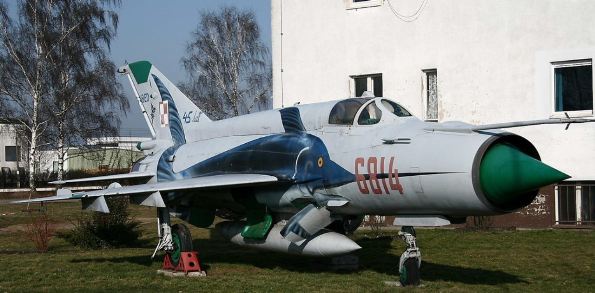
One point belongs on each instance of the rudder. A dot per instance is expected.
(170, 114)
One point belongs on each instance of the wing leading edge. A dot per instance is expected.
(476, 128)
(132, 175)
(149, 194)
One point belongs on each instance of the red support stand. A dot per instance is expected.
(188, 263)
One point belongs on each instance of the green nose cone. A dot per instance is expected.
(507, 173)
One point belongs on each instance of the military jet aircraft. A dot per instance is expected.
(297, 179)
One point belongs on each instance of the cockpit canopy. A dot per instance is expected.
(345, 111)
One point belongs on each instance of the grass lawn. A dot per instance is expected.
(453, 260)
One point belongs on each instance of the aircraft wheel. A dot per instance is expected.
(410, 272)
(409, 229)
(182, 241)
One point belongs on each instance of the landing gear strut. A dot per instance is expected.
(410, 261)
(164, 232)
(176, 242)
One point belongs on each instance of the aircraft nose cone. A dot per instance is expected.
(508, 176)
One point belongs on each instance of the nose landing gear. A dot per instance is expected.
(410, 261)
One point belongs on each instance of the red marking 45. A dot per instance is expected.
(376, 182)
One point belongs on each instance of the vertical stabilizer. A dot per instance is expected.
(168, 112)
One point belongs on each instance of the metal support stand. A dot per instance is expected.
(164, 231)
(410, 261)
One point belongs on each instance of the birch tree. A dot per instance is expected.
(228, 65)
(41, 68)
(86, 95)
(23, 59)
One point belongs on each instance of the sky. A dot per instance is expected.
(158, 31)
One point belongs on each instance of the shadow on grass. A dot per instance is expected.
(375, 255)
(144, 260)
(440, 272)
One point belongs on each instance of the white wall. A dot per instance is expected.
(8, 138)
(493, 60)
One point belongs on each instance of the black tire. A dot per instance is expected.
(410, 273)
(346, 226)
(409, 229)
(182, 242)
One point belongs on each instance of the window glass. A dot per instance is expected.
(567, 204)
(370, 82)
(573, 88)
(395, 108)
(11, 153)
(344, 111)
(377, 81)
(588, 204)
(370, 115)
(432, 95)
(361, 85)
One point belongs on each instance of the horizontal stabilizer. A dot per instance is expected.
(106, 178)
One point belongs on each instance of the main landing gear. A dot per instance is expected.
(176, 242)
(410, 261)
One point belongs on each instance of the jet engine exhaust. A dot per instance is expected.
(322, 244)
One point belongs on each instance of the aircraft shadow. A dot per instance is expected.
(441, 272)
(144, 260)
(377, 254)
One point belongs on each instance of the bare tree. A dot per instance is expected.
(84, 87)
(23, 58)
(228, 64)
(54, 70)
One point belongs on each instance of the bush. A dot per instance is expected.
(99, 230)
(39, 229)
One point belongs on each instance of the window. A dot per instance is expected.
(356, 4)
(11, 153)
(588, 204)
(566, 204)
(370, 115)
(573, 86)
(431, 94)
(371, 82)
(575, 203)
(395, 108)
(344, 111)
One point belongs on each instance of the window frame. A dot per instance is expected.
(356, 115)
(361, 110)
(424, 97)
(578, 187)
(369, 83)
(17, 153)
(565, 64)
(351, 4)
(391, 112)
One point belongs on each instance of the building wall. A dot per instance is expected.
(493, 60)
(539, 214)
(111, 158)
(8, 138)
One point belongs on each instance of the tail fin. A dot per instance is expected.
(168, 112)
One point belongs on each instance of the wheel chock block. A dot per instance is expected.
(189, 262)
(167, 264)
